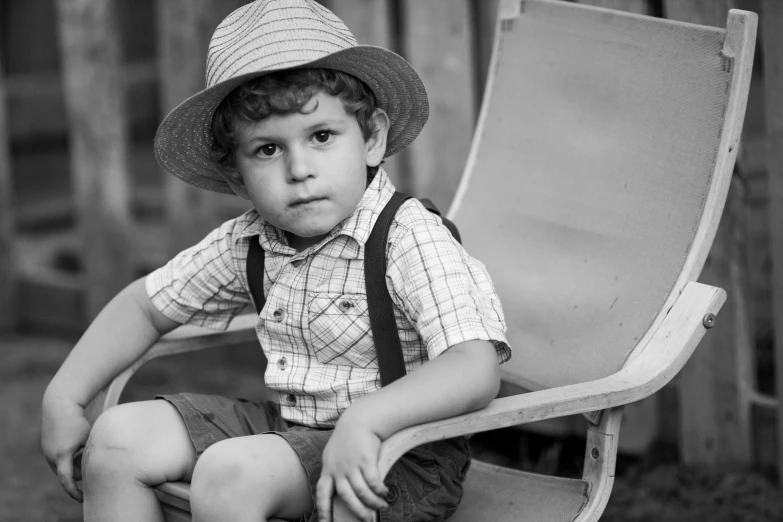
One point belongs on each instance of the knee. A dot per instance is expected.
(130, 440)
(111, 442)
(249, 478)
(222, 471)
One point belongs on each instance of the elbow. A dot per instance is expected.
(491, 386)
(487, 382)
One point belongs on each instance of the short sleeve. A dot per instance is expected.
(446, 294)
(201, 285)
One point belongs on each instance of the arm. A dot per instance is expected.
(464, 378)
(448, 297)
(130, 323)
(119, 335)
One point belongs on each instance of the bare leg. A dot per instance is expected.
(133, 447)
(250, 479)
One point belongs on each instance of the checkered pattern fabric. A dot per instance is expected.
(314, 327)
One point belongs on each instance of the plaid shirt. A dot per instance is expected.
(314, 328)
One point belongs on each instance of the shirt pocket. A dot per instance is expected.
(340, 330)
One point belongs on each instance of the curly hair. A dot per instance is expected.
(286, 92)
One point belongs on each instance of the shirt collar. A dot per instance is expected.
(357, 226)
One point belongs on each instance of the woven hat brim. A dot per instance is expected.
(184, 138)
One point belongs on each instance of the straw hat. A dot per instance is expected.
(271, 35)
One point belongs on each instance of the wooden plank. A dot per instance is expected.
(36, 106)
(704, 12)
(94, 97)
(7, 262)
(438, 41)
(772, 45)
(716, 383)
(632, 6)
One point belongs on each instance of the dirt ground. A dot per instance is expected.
(653, 488)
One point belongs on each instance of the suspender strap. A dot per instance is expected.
(379, 303)
(380, 307)
(255, 273)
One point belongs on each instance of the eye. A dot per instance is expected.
(267, 150)
(322, 136)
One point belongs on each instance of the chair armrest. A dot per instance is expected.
(656, 364)
(181, 340)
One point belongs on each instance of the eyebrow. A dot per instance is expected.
(312, 128)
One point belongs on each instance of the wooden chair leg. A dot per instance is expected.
(600, 460)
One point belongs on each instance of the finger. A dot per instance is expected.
(77, 464)
(65, 474)
(362, 490)
(374, 480)
(324, 491)
(355, 506)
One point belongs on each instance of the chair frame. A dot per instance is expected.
(684, 319)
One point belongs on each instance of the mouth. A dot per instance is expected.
(305, 201)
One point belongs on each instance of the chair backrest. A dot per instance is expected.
(597, 176)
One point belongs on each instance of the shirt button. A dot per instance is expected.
(290, 400)
(297, 263)
(282, 363)
(345, 305)
(279, 314)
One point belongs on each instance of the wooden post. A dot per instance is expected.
(371, 22)
(716, 383)
(7, 260)
(438, 41)
(97, 128)
(486, 20)
(772, 49)
(184, 30)
(368, 20)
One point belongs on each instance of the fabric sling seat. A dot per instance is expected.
(594, 187)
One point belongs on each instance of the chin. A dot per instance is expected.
(313, 231)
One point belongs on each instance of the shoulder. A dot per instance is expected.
(412, 216)
(221, 245)
(418, 239)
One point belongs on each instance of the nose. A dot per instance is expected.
(300, 164)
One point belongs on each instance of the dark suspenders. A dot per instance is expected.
(379, 304)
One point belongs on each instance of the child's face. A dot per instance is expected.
(306, 172)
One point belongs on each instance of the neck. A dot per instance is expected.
(299, 243)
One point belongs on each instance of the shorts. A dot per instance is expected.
(424, 485)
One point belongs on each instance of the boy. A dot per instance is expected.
(296, 118)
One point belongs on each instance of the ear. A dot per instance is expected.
(376, 145)
(234, 180)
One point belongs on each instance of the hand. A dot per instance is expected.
(64, 431)
(350, 468)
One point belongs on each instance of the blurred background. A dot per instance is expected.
(84, 210)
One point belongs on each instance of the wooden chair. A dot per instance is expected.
(593, 191)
